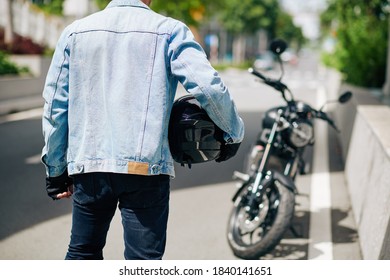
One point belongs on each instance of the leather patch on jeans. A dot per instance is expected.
(138, 168)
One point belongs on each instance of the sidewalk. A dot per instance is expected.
(18, 104)
(19, 93)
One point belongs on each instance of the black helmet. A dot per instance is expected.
(193, 136)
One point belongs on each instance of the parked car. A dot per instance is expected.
(264, 61)
(289, 56)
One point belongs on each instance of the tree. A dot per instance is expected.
(53, 7)
(286, 29)
(386, 87)
(101, 4)
(245, 17)
(360, 29)
(192, 12)
(238, 17)
(248, 16)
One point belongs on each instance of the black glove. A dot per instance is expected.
(57, 185)
(228, 151)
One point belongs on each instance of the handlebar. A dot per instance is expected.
(323, 116)
(276, 84)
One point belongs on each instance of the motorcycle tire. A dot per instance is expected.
(274, 217)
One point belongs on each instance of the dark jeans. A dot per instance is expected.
(143, 202)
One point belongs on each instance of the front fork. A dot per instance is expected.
(258, 188)
(264, 177)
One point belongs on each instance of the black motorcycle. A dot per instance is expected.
(264, 203)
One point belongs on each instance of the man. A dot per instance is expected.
(108, 96)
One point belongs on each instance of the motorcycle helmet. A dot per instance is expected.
(193, 136)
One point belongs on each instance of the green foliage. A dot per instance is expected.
(236, 16)
(9, 68)
(101, 4)
(286, 29)
(243, 65)
(192, 12)
(248, 16)
(361, 31)
(53, 7)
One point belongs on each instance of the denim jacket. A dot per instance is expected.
(110, 89)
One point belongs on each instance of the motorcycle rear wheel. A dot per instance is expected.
(252, 235)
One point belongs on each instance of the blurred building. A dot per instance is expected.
(79, 8)
(33, 23)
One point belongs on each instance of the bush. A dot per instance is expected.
(9, 68)
(361, 34)
(53, 7)
(21, 45)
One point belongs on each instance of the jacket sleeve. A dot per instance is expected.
(191, 67)
(55, 111)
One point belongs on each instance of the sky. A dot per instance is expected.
(306, 14)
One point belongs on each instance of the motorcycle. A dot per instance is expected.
(265, 200)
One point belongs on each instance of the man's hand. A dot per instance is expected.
(66, 194)
(228, 151)
(59, 187)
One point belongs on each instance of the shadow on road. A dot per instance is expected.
(295, 247)
(24, 202)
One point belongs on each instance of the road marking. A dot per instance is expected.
(320, 233)
(33, 160)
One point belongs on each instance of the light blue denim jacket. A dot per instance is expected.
(110, 89)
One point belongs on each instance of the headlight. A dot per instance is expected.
(301, 133)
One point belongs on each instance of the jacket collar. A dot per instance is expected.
(123, 3)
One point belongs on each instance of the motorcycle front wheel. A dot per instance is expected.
(254, 230)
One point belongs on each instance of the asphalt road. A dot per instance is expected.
(32, 226)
